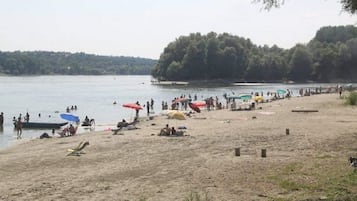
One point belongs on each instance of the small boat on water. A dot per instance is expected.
(88, 123)
(249, 84)
(42, 125)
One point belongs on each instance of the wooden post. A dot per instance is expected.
(287, 131)
(237, 151)
(264, 153)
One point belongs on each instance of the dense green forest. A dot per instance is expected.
(330, 56)
(63, 63)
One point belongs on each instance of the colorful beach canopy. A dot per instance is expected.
(280, 91)
(245, 96)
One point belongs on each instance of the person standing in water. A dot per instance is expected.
(152, 104)
(148, 108)
(19, 127)
(137, 110)
(27, 117)
(1, 119)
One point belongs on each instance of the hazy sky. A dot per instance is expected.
(143, 28)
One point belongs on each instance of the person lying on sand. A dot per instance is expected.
(123, 124)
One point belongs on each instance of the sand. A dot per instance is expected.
(140, 165)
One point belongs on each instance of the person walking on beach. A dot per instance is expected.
(148, 107)
(152, 104)
(340, 91)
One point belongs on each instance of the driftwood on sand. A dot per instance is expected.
(304, 110)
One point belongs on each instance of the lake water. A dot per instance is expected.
(94, 96)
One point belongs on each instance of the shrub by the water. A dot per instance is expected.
(352, 98)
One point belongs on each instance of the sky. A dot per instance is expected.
(143, 28)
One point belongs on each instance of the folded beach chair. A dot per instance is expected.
(78, 150)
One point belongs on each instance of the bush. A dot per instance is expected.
(352, 98)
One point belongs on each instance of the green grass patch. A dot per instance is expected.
(324, 156)
(321, 176)
(194, 196)
(290, 185)
(350, 178)
(352, 98)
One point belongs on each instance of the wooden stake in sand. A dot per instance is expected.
(264, 153)
(287, 131)
(237, 151)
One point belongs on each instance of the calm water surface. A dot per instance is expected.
(94, 96)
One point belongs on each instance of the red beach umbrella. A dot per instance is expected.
(132, 106)
(180, 100)
(194, 107)
(199, 103)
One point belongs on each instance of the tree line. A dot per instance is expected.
(64, 63)
(349, 6)
(330, 56)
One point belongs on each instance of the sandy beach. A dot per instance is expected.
(309, 163)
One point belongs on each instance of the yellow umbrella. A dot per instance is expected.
(176, 115)
(258, 98)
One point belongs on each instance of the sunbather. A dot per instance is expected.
(165, 131)
(123, 123)
(68, 131)
(72, 130)
(173, 131)
(64, 132)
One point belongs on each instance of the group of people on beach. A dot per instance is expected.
(68, 131)
(149, 106)
(19, 121)
(167, 131)
(214, 103)
(211, 103)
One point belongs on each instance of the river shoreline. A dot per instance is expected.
(139, 164)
